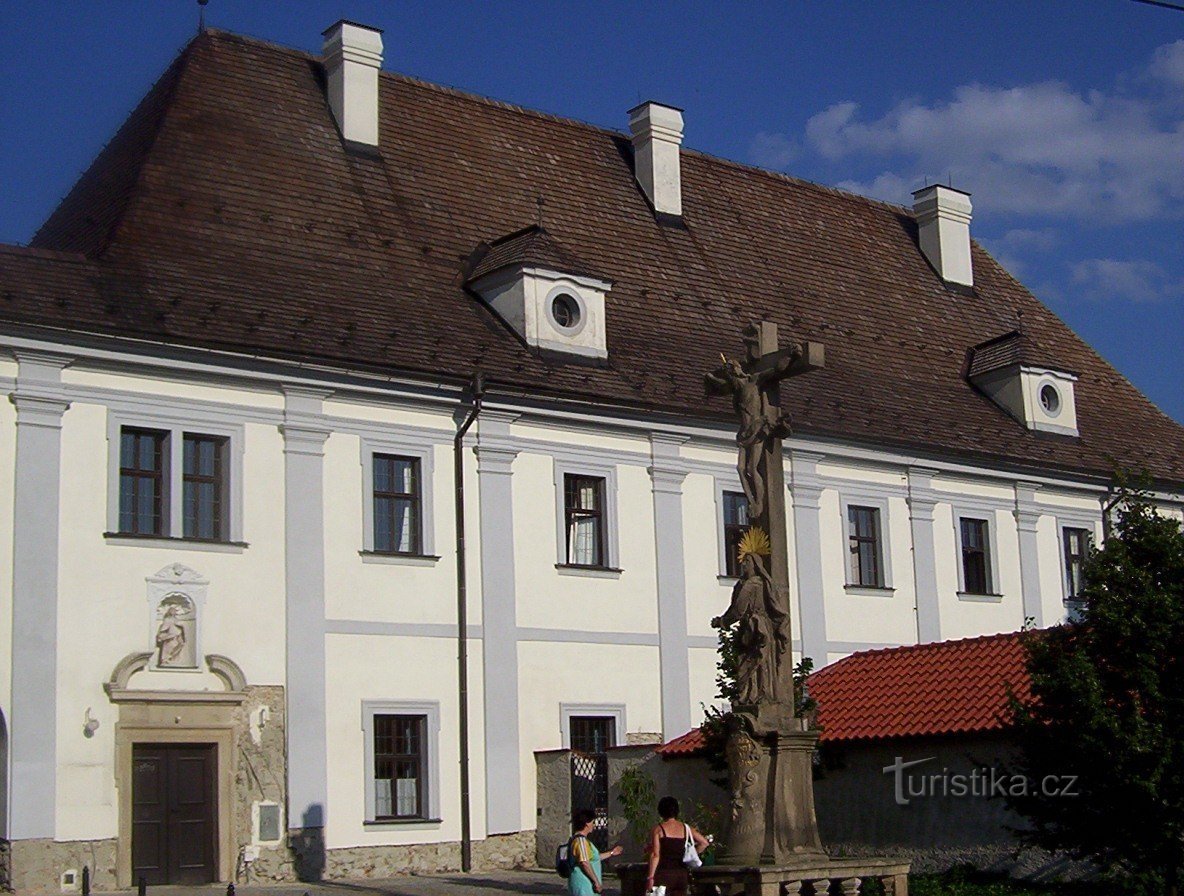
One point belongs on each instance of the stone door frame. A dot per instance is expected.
(175, 717)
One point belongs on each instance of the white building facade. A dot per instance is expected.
(233, 610)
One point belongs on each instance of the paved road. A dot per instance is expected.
(490, 883)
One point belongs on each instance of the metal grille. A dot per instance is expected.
(589, 790)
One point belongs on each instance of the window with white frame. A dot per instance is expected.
(402, 761)
(585, 515)
(865, 566)
(974, 544)
(397, 519)
(173, 481)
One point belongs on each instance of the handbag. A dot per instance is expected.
(690, 855)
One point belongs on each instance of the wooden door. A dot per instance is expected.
(174, 813)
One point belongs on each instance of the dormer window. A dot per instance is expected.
(543, 292)
(1015, 374)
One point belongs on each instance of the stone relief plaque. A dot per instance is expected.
(176, 633)
(176, 599)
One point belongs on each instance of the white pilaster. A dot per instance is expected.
(922, 501)
(667, 474)
(40, 404)
(499, 624)
(806, 492)
(1027, 518)
(305, 434)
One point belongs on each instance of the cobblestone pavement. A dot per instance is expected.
(481, 883)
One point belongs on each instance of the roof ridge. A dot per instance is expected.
(929, 645)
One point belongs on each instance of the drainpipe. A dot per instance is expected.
(462, 621)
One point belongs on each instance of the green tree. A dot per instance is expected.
(1106, 711)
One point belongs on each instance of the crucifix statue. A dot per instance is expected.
(760, 600)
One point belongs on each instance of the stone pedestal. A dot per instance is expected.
(772, 784)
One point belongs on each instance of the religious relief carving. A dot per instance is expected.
(744, 756)
(176, 596)
(176, 633)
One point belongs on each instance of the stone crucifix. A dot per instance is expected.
(760, 601)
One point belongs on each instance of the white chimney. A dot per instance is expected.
(943, 229)
(657, 135)
(353, 56)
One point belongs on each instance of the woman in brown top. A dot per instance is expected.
(667, 844)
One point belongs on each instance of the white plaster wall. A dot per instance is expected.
(584, 437)
(372, 667)
(708, 594)
(860, 615)
(570, 599)
(552, 674)
(382, 589)
(376, 410)
(966, 618)
(7, 497)
(104, 614)
(267, 397)
(703, 662)
(1082, 502)
(1052, 573)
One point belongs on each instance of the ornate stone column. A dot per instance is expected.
(40, 404)
(667, 473)
(499, 620)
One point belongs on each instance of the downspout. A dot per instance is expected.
(462, 622)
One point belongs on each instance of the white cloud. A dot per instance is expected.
(772, 150)
(1168, 63)
(1040, 149)
(1102, 279)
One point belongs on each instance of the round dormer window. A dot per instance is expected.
(565, 311)
(1050, 399)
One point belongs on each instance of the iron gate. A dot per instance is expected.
(589, 790)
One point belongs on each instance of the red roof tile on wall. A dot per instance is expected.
(949, 687)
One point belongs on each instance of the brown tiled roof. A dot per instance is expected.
(1009, 350)
(527, 247)
(944, 688)
(228, 214)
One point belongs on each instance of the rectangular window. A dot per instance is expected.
(397, 514)
(976, 561)
(735, 525)
(866, 565)
(583, 502)
(142, 459)
(1076, 543)
(203, 487)
(593, 734)
(400, 747)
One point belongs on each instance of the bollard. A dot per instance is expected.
(86, 880)
(142, 887)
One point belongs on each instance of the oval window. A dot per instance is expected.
(566, 311)
(1050, 399)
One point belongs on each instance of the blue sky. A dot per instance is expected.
(1063, 118)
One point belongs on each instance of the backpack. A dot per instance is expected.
(564, 861)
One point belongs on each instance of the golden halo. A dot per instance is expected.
(754, 541)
